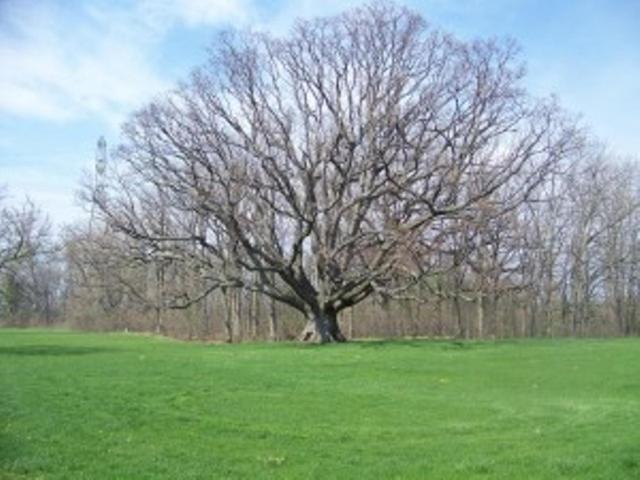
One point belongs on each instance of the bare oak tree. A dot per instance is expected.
(326, 166)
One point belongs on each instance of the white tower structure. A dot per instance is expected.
(101, 165)
(99, 176)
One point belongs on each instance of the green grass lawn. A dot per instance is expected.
(113, 406)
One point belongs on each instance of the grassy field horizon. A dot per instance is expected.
(77, 405)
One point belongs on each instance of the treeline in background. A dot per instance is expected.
(566, 263)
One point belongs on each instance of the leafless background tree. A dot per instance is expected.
(30, 275)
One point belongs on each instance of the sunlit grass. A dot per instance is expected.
(106, 406)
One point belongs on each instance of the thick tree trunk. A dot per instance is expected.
(322, 327)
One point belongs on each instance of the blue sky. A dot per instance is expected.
(71, 71)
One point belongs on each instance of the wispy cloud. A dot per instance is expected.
(58, 69)
(59, 64)
(193, 13)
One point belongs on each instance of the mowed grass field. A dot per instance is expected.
(115, 406)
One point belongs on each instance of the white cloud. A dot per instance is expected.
(196, 12)
(56, 69)
(97, 60)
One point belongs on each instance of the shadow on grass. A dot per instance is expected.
(435, 343)
(446, 343)
(382, 343)
(50, 350)
(373, 344)
(11, 451)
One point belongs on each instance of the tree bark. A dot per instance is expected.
(322, 327)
